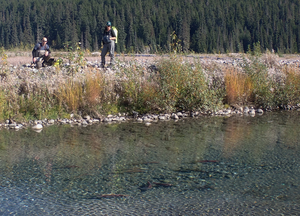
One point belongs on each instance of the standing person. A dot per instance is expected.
(41, 50)
(108, 40)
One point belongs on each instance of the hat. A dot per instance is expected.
(108, 23)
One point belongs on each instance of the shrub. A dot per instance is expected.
(183, 86)
(289, 92)
(138, 89)
(262, 83)
(239, 87)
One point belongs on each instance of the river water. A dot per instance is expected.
(204, 166)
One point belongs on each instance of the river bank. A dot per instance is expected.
(146, 88)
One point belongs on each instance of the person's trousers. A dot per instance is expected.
(110, 47)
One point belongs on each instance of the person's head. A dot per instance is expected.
(44, 41)
(108, 26)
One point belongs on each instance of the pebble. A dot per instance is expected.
(162, 117)
(252, 112)
(174, 116)
(260, 111)
(37, 127)
(246, 110)
(51, 121)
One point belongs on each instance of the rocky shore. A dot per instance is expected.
(83, 121)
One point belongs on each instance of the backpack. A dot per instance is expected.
(113, 28)
(106, 39)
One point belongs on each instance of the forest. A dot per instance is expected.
(200, 26)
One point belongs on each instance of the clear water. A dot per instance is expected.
(203, 166)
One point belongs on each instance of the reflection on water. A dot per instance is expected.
(207, 165)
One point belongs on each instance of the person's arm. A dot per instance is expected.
(113, 36)
(35, 51)
(48, 50)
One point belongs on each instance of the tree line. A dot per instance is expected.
(201, 26)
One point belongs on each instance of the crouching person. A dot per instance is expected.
(41, 53)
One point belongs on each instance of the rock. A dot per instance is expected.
(122, 118)
(63, 121)
(146, 119)
(227, 112)
(87, 117)
(148, 124)
(162, 117)
(246, 110)
(174, 116)
(252, 111)
(107, 120)
(179, 114)
(37, 127)
(167, 116)
(154, 117)
(185, 114)
(12, 126)
(51, 121)
(260, 111)
(220, 112)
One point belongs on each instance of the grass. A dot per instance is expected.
(239, 87)
(176, 85)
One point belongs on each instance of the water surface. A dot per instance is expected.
(203, 166)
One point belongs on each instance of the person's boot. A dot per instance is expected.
(111, 66)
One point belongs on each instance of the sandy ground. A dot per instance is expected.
(25, 57)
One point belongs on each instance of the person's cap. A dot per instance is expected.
(108, 23)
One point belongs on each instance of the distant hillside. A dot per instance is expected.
(205, 26)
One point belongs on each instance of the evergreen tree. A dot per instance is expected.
(202, 26)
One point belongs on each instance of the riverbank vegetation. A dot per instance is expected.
(169, 84)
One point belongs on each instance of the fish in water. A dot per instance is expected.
(163, 184)
(145, 163)
(108, 196)
(132, 170)
(207, 161)
(146, 187)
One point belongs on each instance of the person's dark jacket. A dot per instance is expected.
(39, 46)
(107, 35)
